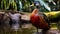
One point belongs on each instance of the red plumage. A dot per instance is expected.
(38, 20)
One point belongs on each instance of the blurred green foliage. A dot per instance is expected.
(5, 4)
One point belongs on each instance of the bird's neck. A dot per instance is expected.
(35, 11)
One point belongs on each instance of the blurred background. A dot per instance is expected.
(23, 5)
(51, 7)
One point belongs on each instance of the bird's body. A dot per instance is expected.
(38, 19)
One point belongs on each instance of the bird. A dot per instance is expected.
(39, 20)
